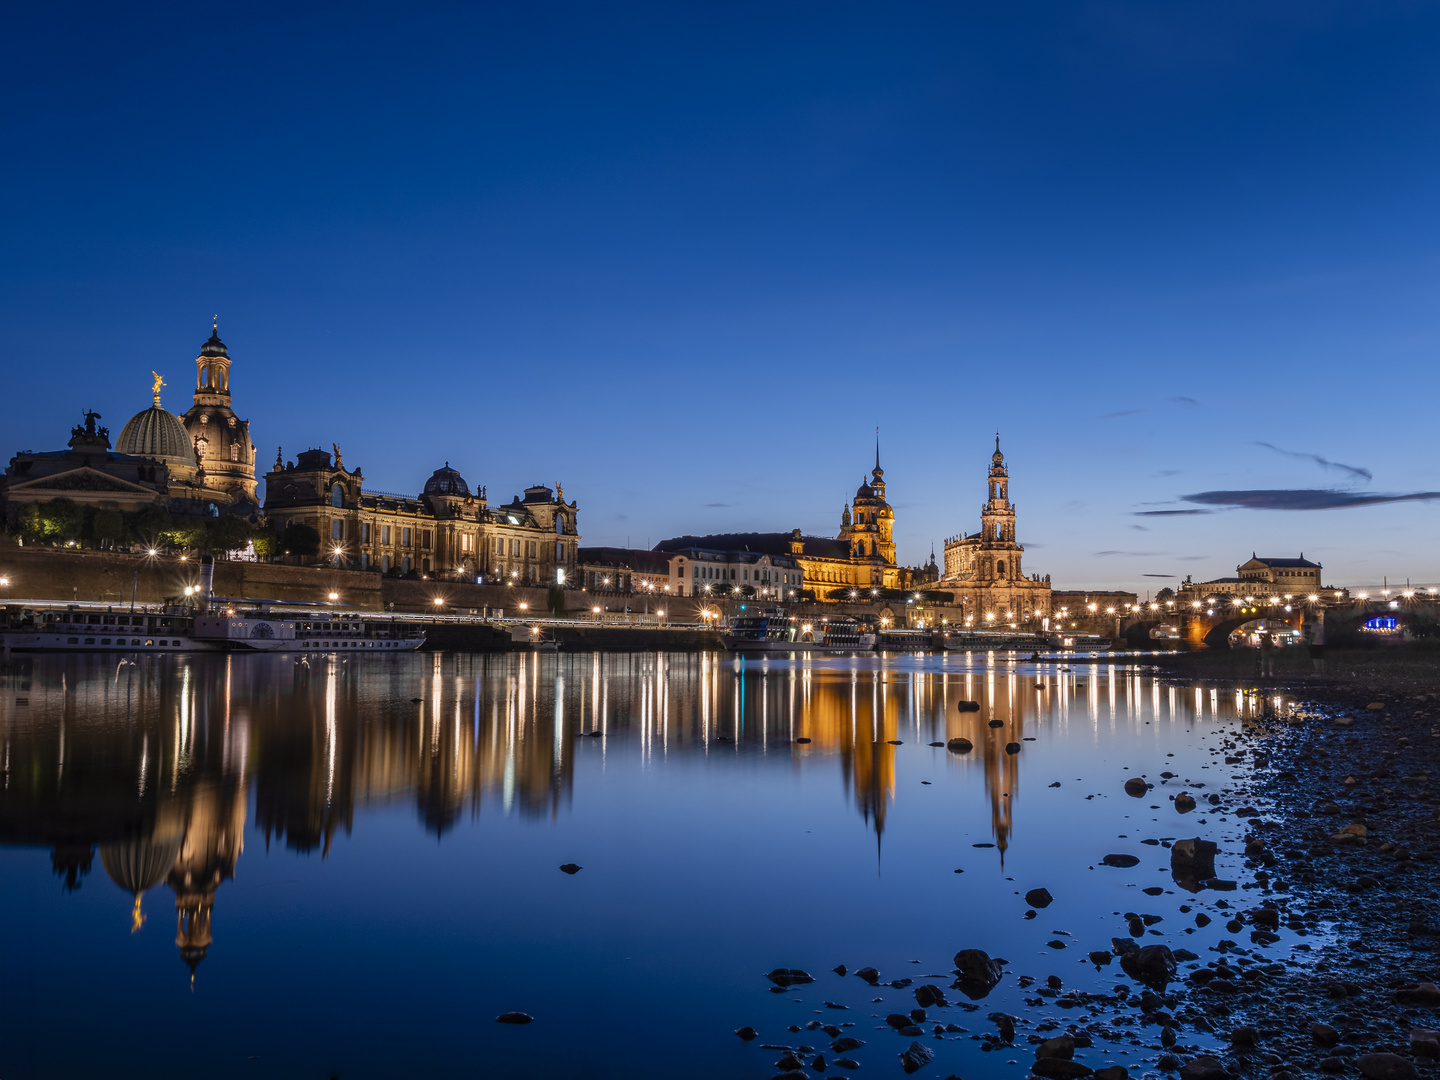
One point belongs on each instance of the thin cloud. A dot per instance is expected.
(1324, 463)
(1168, 472)
(1193, 558)
(1170, 513)
(1303, 498)
(1131, 554)
(1122, 412)
(1158, 575)
(717, 505)
(1188, 402)
(1139, 528)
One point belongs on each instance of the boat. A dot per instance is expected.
(775, 631)
(1072, 642)
(989, 641)
(185, 628)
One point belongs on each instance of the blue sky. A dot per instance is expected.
(686, 258)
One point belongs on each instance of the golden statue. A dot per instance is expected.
(559, 492)
(339, 461)
(155, 389)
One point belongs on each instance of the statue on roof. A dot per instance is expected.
(339, 461)
(155, 387)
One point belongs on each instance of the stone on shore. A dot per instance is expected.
(1385, 1067)
(1136, 788)
(1039, 898)
(916, 1056)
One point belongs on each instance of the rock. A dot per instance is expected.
(997, 723)
(1062, 1046)
(1112, 1072)
(839, 969)
(978, 973)
(847, 1063)
(819, 1064)
(1153, 965)
(1099, 958)
(802, 739)
(967, 706)
(1376, 706)
(1244, 1037)
(789, 1063)
(929, 996)
(571, 868)
(1012, 748)
(844, 1043)
(1203, 1067)
(937, 744)
(1425, 1043)
(1193, 859)
(1039, 898)
(1324, 1034)
(514, 1018)
(1385, 1067)
(869, 975)
(1331, 1065)
(1120, 860)
(1184, 803)
(789, 977)
(1060, 1069)
(898, 1021)
(1420, 994)
(1344, 721)
(959, 746)
(916, 1056)
(1136, 788)
(747, 1033)
(1354, 833)
(1267, 918)
(1005, 1024)
(912, 1030)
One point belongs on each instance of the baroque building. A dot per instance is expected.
(860, 556)
(984, 568)
(447, 530)
(221, 440)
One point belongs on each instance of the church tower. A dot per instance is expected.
(1001, 554)
(220, 438)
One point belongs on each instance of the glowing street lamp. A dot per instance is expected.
(334, 596)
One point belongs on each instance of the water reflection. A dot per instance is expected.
(153, 763)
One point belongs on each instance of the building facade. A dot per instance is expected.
(1259, 577)
(984, 569)
(221, 440)
(445, 531)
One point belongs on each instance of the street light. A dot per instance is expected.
(334, 596)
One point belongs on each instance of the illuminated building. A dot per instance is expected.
(983, 569)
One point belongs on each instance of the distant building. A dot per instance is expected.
(447, 530)
(220, 439)
(625, 571)
(983, 569)
(1077, 605)
(1259, 577)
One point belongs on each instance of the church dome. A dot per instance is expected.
(214, 347)
(137, 866)
(446, 481)
(864, 491)
(156, 433)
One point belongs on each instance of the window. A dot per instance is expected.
(234, 452)
(364, 560)
(405, 564)
(337, 495)
(499, 545)
(530, 549)
(337, 529)
(385, 563)
(365, 532)
(385, 534)
(559, 552)
(405, 539)
(515, 548)
(427, 538)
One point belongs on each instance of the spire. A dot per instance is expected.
(877, 448)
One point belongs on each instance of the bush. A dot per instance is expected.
(226, 534)
(267, 543)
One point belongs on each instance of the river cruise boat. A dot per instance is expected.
(179, 628)
(775, 631)
(990, 641)
(1084, 643)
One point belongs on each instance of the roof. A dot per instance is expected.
(1302, 561)
(646, 562)
(776, 543)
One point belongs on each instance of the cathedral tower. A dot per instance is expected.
(220, 438)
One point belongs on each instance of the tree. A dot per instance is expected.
(1164, 594)
(188, 532)
(150, 524)
(557, 601)
(107, 527)
(267, 543)
(300, 540)
(62, 520)
(226, 534)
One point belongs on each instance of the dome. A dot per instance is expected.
(156, 433)
(214, 347)
(864, 491)
(446, 481)
(137, 866)
(998, 458)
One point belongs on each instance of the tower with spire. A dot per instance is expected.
(220, 438)
(867, 525)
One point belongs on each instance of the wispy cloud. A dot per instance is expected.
(1122, 412)
(1168, 472)
(1302, 498)
(717, 504)
(1158, 575)
(1171, 513)
(1140, 528)
(1188, 402)
(1131, 554)
(1324, 463)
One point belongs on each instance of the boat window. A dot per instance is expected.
(72, 641)
(105, 641)
(149, 642)
(89, 641)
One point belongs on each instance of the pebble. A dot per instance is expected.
(514, 1018)
(1385, 1066)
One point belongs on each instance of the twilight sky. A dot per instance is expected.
(686, 257)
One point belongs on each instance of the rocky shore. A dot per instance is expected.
(1331, 955)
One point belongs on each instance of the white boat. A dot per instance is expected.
(775, 631)
(182, 629)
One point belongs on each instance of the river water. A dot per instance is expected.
(250, 866)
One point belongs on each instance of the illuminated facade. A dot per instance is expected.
(984, 570)
(221, 440)
(446, 530)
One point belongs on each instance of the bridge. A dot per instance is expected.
(1211, 627)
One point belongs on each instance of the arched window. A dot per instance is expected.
(337, 495)
(999, 567)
